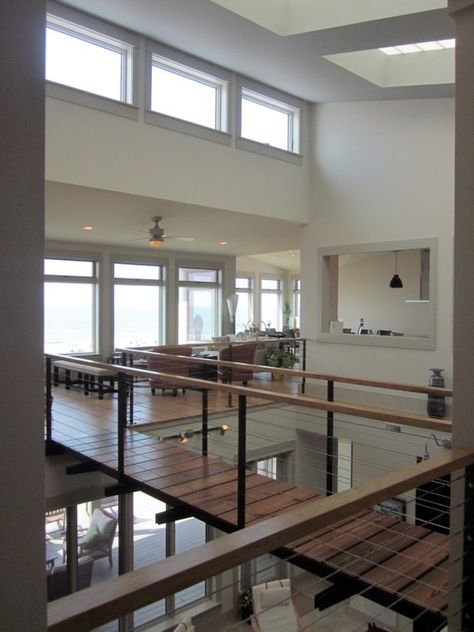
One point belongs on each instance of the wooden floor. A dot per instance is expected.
(405, 561)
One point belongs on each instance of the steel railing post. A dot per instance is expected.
(205, 418)
(123, 385)
(49, 400)
(242, 461)
(330, 458)
(303, 366)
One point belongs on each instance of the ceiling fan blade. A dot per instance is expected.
(178, 237)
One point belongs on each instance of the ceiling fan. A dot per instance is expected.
(157, 234)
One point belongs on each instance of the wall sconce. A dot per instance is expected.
(396, 281)
(443, 443)
(184, 437)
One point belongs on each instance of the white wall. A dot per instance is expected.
(106, 151)
(383, 171)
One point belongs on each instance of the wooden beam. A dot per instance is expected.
(355, 410)
(101, 603)
(171, 515)
(396, 386)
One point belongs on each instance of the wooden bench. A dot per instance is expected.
(91, 378)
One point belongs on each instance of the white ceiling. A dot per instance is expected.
(288, 17)
(123, 220)
(294, 63)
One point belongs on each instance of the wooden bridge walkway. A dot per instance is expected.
(396, 563)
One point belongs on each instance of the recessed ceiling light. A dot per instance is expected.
(223, 243)
(87, 227)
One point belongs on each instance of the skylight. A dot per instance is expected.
(421, 47)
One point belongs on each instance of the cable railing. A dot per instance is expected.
(391, 561)
(124, 449)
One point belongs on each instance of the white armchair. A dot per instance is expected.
(273, 609)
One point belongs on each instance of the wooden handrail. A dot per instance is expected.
(101, 603)
(394, 386)
(354, 410)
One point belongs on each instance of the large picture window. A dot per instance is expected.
(86, 60)
(187, 93)
(70, 306)
(244, 314)
(138, 305)
(270, 302)
(297, 302)
(199, 304)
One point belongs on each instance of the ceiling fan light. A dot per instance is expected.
(396, 282)
(155, 243)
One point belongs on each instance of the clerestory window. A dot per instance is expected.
(269, 121)
(87, 60)
(188, 93)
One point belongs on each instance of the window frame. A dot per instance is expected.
(296, 283)
(93, 280)
(101, 33)
(281, 102)
(279, 292)
(250, 292)
(218, 285)
(160, 283)
(198, 70)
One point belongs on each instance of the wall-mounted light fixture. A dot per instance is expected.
(396, 281)
(441, 443)
(185, 436)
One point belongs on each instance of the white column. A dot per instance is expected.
(463, 365)
(463, 343)
(22, 543)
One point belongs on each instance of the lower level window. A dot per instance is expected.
(70, 298)
(138, 305)
(199, 302)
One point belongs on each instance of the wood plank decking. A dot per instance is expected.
(405, 561)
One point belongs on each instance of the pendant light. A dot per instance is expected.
(396, 281)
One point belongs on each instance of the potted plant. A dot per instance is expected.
(279, 358)
(246, 604)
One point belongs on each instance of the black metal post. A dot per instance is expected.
(303, 366)
(71, 548)
(130, 395)
(242, 461)
(330, 460)
(49, 400)
(205, 418)
(468, 560)
(121, 422)
(229, 395)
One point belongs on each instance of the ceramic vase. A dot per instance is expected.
(436, 403)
